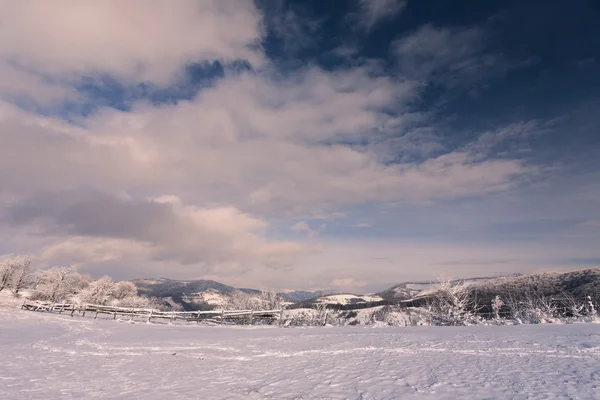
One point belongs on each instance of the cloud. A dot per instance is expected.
(95, 227)
(375, 11)
(303, 226)
(134, 40)
(591, 224)
(195, 184)
(256, 134)
(195, 187)
(452, 56)
(394, 260)
(361, 225)
(346, 284)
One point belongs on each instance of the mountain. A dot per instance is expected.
(575, 284)
(408, 290)
(208, 294)
(204, 294)
(191, 295)
(295, 296)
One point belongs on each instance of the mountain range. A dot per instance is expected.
(208, 294)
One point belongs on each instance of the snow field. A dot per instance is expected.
(47, 356)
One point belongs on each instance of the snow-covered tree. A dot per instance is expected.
(99, 291)
(58, 283)
(124, 289)
(15, 274)
(451, 304)
(6, 274)
(239, 300)
(497, 304)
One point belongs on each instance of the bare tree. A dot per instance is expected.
(270, 300)
(239, 300)
(497, 304)
(124, 289)
(6, 273)
(99, 292)
(21, 276)
(264, 300)
(451, 304)
(14, 274)
(58, 283)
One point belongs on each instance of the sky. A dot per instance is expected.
(333, 144)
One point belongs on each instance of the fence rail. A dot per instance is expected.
(148, 314)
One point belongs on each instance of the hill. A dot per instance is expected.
(204, 294)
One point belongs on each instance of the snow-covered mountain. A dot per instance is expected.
(205, 294)
(209, 294)
(409, 290)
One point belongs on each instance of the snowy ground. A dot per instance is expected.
(46, 356)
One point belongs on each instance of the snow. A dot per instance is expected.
(209, 296)
(55, 356)
(347, 299)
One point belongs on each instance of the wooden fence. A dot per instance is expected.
(147, 314)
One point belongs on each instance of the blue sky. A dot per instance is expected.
(331, 144)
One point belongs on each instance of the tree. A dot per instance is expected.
(58, 283)
(451, 304)
(239, 300)
(100, 291)
(21, 276)
(497, 305)
(264, 300)
(6, 274)
(14, 274)
(124, 289)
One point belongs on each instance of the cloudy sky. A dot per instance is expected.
(341, 144)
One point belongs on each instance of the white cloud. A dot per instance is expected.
(452, 56)
(362, 225)
(192, 187)
(593, 223)
(93, 227)
(346, 284)
(135, 40)
(374, 11)
(303, 226)
(281, 147)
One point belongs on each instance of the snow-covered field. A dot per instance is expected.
(45, 356)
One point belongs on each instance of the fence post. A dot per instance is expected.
(150, 315)
(172, 317)
(198, 320)
(251, 316)
(73, 310)
(281, 316)
(84, 309)
(131, 316)
(62, 308)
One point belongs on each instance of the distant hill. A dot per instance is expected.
(204, 294)
(209, 294)
(576, 284)
(408, 290)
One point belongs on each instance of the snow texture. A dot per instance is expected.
(45, 356)
(348, 299)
